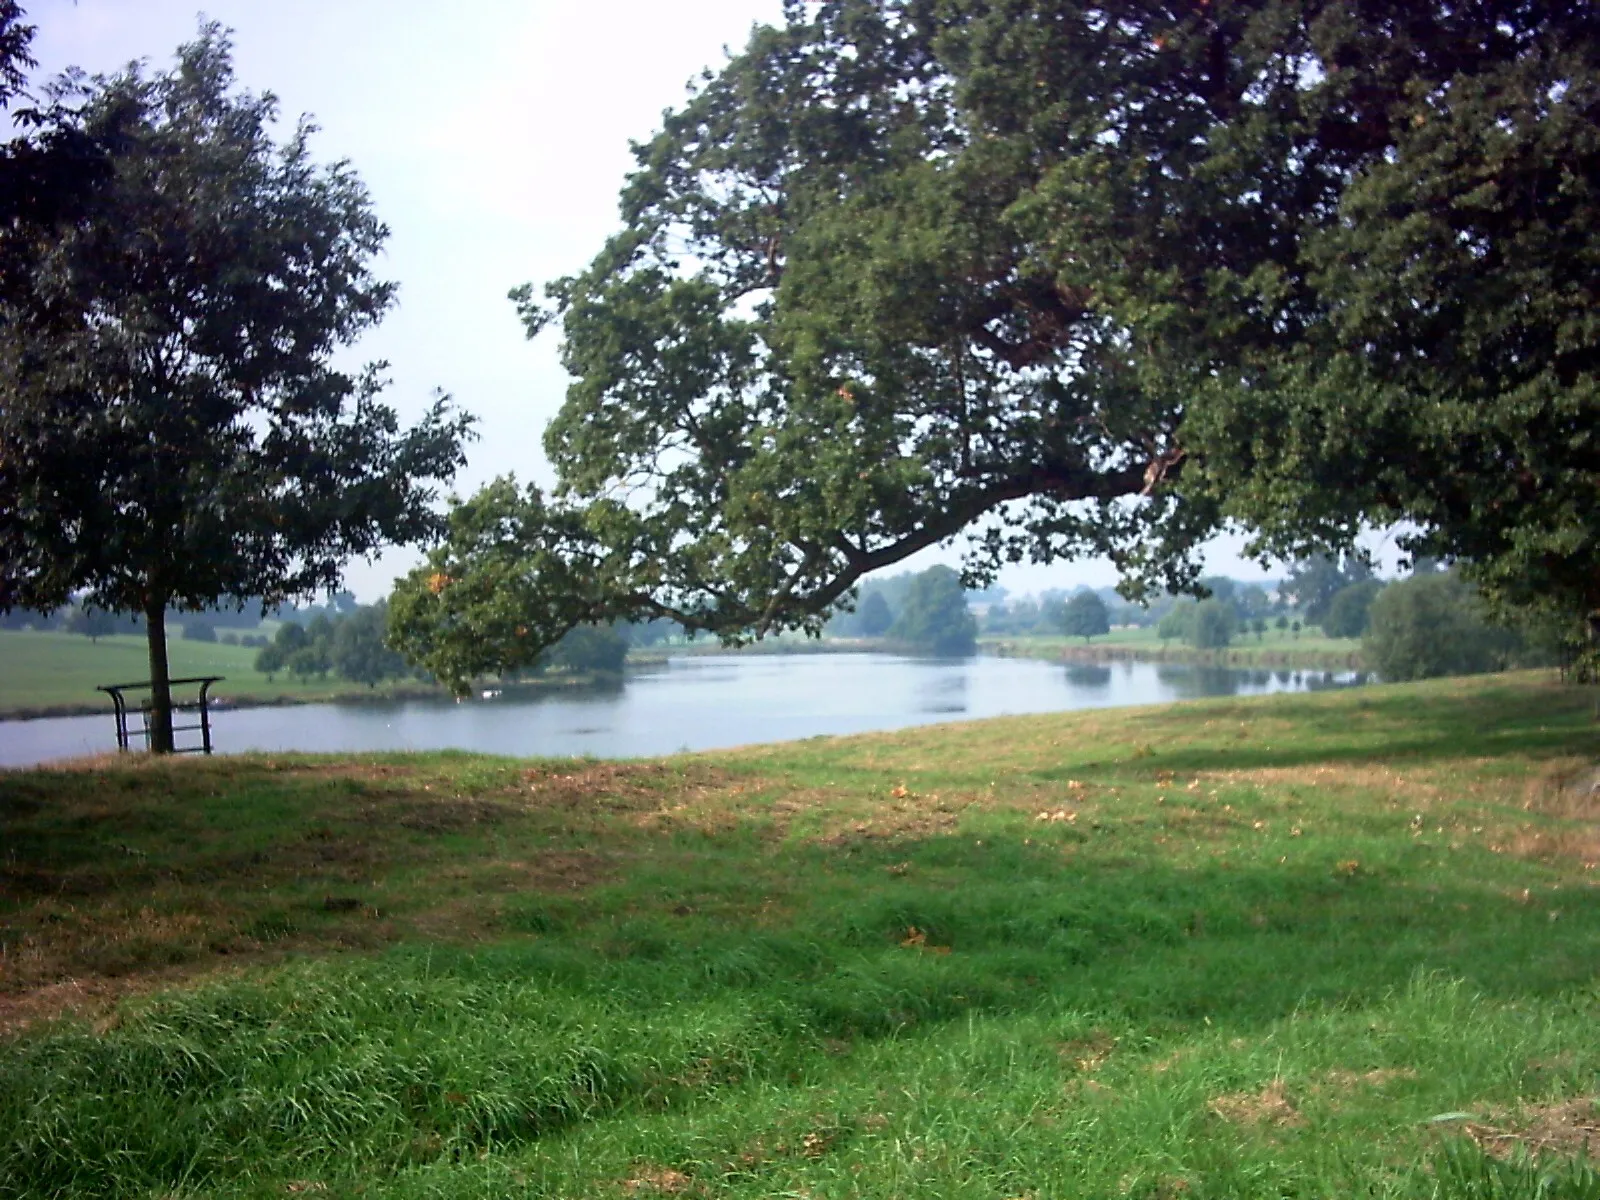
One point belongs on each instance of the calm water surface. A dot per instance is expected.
(696, 703)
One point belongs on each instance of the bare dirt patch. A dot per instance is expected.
(1349, 1081)
(1566, 1129)
(1270, 1106)
(656, 1181)
(1087, 1053)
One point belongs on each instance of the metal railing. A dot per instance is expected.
(200, 705)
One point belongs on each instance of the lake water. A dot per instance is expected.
(695, 703)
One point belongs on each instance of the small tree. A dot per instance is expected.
(275, 656)
(358, 651)
(1213, 625)
(1432, 625)
(1085, 616)
(92, 623)
(1177, 623)
(1350, 608)
(1258, 626)
(935, 616)
(173, 431)
(873, 618)
(196, 630)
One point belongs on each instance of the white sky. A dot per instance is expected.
(493, 135)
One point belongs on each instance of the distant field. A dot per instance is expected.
(1275, 648)
(55, 671)
(1312, 946)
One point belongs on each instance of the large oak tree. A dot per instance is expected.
(1078, 278)
(173, 428)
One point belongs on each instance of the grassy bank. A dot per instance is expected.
(1275, 648)
(1310, 945)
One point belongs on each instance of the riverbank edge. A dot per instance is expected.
(1242, 658)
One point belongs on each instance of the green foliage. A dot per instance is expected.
(1094, 286)
(1432, 625)
(1085, 616)
(359, 652)
(92, 623)
(934, 617)
(174, 429)
(1349, 612)
(588, 649)
(1314, 582)
(873, 618)
(196, 629)
(1178, 623)
(511, 577)
(1212, 624)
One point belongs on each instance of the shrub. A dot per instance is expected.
(1432, 625)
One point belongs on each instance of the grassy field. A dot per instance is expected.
(1275, 648)
(58, 672)
(1297, 946)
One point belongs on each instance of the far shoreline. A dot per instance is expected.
(1236, 657)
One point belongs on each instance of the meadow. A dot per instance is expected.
(53, 672)
(1305, 945)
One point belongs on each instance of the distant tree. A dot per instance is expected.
(1258, 626)
(197, 630)
(935, 616)
(1313, 583)
(1432, 625)
(93, 623)
(1282, 623)
(1349, 610)
(359, 653)
(1085, 616)
(873, 618)
(589, 649)
(173, 427)
(1213, 624)
(1295, 628)
(1251, 601)
(1177, 623)
(315, 657)
(275, 656)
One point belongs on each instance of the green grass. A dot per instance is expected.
(58, 672)
(1275, 648)
(1259, 948)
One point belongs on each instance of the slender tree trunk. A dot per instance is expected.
(155, 624)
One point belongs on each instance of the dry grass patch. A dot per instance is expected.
(657, 1181)
(1565, 1129)
(1270, 1106)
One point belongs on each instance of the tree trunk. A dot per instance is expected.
(155, 624)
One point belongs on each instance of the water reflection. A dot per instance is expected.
(1088, 675)
(695, 703)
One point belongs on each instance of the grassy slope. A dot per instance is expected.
(1225, 948)
(60, 671)
(1274, 648)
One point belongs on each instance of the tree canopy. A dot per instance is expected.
(1085, 616)
(172, 427)
(935, 617)
(1082, 280)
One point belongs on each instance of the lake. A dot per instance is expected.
(698, 702)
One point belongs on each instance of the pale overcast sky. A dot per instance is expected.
(493, 135)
